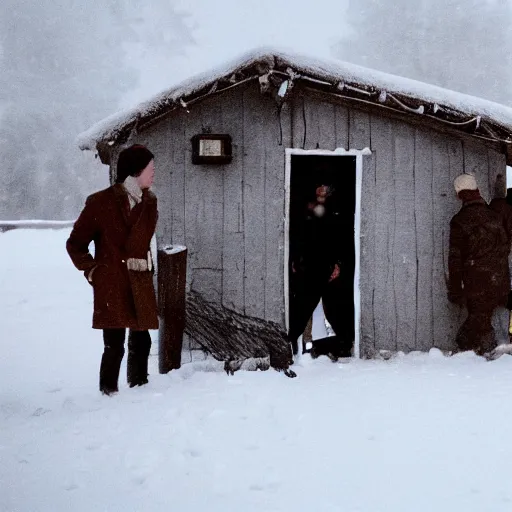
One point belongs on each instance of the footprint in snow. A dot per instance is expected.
(92, 447)
(271, 486)
(40, 411)
(192, 453)
(139, 479)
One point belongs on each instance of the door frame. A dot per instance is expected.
(358, 153)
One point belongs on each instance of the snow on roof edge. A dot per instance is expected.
(323, 68)
(97, 132)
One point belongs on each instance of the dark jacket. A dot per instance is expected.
(504, 208)
(318, 243)
(478, 257)
(122, 298)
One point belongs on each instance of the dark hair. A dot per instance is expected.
(132, 161)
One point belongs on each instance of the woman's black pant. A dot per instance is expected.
(338, 303)
(139, 345)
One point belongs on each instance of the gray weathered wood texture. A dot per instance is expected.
(424, 226)
(384, 303)
(231, 217)
(358, 137)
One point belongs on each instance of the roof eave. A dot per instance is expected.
(277, 69)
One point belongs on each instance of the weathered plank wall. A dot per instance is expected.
(407, 203)
(231, 217)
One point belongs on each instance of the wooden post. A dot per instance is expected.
(172, 269)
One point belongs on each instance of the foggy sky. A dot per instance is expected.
(223, 29)
(68, 63)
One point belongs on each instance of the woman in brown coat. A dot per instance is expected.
(121, 220)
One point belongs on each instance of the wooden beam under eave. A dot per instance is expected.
(413, 119)
(104, 152)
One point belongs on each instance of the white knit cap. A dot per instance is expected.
(465, 182)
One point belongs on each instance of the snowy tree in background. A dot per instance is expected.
(463, 45)
(65, 65)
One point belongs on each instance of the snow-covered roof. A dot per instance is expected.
(477, 116)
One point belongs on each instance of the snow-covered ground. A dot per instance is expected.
(416, 433)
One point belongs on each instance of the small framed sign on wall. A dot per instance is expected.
(211, 149)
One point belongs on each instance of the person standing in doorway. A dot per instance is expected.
(322, 267)
(478, 266)
(121, 221)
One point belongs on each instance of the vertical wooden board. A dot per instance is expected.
(313, 123)
(287, 113)
(181, 152)
(178, 145)
(497, 165)
(311, 119)
(367, 258)
(455, 159)
(384, 304)
(341, 126)
(404, 250)
(207, 282)
(255, 124)
(210, 215)
(442, 189)
(192, 182)
(155, 138)
(233, 272)
(233, 238)
(359, 134)
(477, 164)
(455, 166)
(445, 205)
(274, 212)
(423, 207)
(304, 122)
(326, 117)
(203, 209)
(297, 112)
(359, 139)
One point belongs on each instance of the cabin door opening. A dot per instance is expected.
(321, 254)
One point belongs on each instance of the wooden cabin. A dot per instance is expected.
(234, 147)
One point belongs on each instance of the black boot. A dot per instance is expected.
(139, 345)
(487, 344)
(111, 360)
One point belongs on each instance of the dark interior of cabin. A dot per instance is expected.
(317, 237)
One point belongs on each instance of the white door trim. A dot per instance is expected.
(358, 153)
